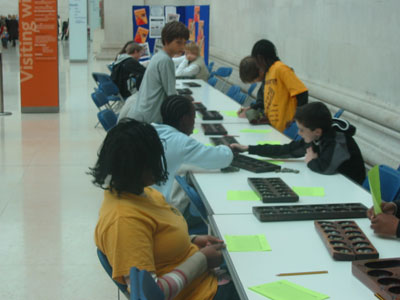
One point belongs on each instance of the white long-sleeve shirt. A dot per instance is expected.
(182, 149)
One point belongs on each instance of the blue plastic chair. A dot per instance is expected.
(196, 207)
(338, 113)
(107, 267)
(212, 81)
(193, 196)
(100, 100)
(101, 77)
(390, 183)
(222, 72)
(240, 98)
(233, 90)
(143, 286)
(110, 89)
(251, 88)
(210, 66)
(107, 118)
(292, 132)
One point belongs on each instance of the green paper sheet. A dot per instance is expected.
(242, 196)
(230, 113)
(256, 130)
(275, 162)
(247, 243)
(309, 191)
(208, 144)
(269, 143)
(375, 187)
(286, 290)
(195, 131)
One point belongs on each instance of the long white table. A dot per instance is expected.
(213, 99)
(296, 247)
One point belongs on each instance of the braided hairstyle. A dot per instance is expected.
(265, 53)
(174, 108)
(130, 151)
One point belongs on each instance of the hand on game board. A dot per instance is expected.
(385, 224)
(387, 208)
(239, 148)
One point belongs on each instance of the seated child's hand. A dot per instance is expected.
(387, 208)
(239, 148)
(310, 155)
(242, 112)
(385, 224)
(206, 240)
(213, 254)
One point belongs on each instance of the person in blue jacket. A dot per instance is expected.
(178, 116)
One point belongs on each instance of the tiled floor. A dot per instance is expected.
(48, 206)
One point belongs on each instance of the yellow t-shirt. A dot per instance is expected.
(147, 233)
(281, 88)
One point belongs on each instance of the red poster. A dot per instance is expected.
(38, 55)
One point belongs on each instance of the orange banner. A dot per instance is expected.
(38, 34)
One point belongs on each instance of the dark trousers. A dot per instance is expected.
(226, 292)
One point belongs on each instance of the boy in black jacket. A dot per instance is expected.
(127, 66)
(327, 144)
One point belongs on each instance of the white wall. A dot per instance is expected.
(8, 7)
(346, 51)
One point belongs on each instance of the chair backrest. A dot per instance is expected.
(251, 88)
(101, 77)
(292, 132)
(210, 66)
(109, 88)
(107, 118)
(107, 267)
(223, 71)
(233, 90)
(99, 99)
(212, 81)
(193, 196)
(240, 98)
(390, 183)
(338, 113)
(143, 286)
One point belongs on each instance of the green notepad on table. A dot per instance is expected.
(309, 191)
(375, 188)
(286, 290)
(268, 143)
(256, 130)
(247, 243)
(230, 113)
(242, 196)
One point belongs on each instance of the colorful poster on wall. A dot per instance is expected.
(197, 13)
(141, 35)
(192, 30)
(38, 56)
(146, 50)
(200, 37)
(156, 26)
(140, 16)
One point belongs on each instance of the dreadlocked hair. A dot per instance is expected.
(174, 108)
(265, 53)
(130, 150)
